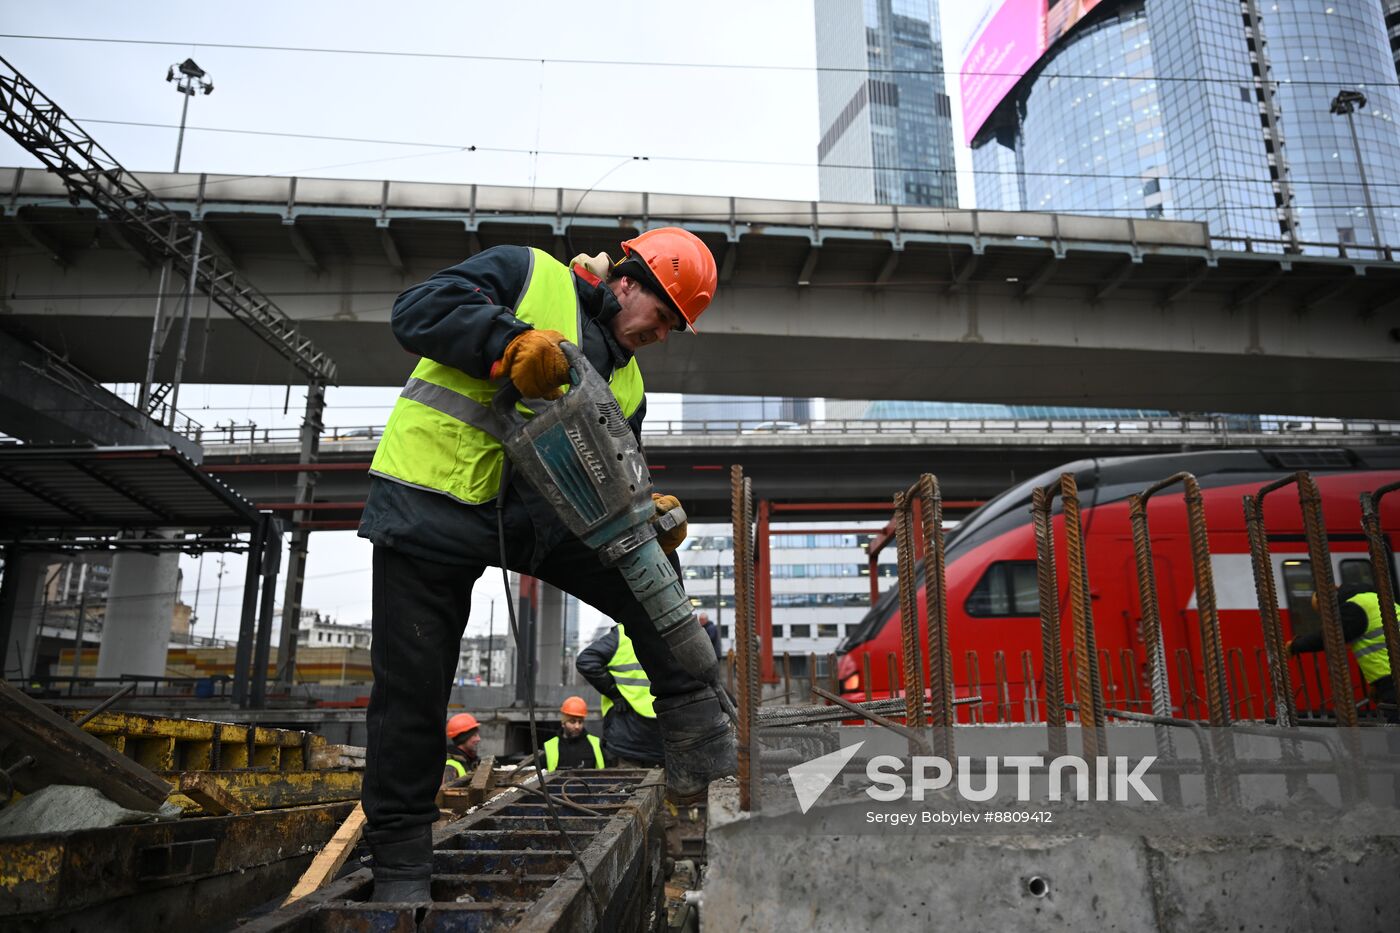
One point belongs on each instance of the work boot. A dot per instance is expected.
(700, 747)
(403, 867)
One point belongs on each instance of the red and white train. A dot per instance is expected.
(993, 603)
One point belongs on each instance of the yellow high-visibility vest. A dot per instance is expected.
(632, 681)
(551, 753)
(441, 435)
(1369, 649)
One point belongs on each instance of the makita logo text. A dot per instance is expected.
(588, 456)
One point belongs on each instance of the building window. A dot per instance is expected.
(828, 630)
(800, 631)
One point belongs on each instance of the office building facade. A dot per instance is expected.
(886, 121)
(820, 586)
(1209, 110)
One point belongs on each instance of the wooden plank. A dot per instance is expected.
(328, 861)
(65, 754)
(337, 756)
(481, 782)
(213, 798)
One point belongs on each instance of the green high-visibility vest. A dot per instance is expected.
(441, 435)
(1369, 649)
(551, 753)
(632, 681)
(457, 766)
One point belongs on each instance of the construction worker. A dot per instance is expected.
(436, 497)
(631, 734)
(1361, 628)
(463, 736)
(575, 748)
(711, 630)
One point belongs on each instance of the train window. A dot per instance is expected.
(1007, 588)
(800, 631)
(1298, 591)
(1357, 573)
(828, 630)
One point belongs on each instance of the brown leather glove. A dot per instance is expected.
(534, 362)
(669, 540)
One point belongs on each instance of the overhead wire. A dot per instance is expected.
(643, 63)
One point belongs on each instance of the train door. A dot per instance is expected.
(1129, 666)
(1310, 671)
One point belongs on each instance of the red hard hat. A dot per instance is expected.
(574, 706)
(462, 722)
(682, 265)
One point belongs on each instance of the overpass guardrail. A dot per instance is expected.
(1222, 427)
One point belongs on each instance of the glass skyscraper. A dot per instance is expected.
(1207, 110)
(887, 126)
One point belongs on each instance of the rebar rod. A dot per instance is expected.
(909, 615)
(1280, 689)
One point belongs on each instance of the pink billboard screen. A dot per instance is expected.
(1011, 40)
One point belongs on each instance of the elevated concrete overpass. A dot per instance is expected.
(856, 301)
(812, 464)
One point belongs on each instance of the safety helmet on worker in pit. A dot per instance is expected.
(574, 706)
(678, 266)
(460, 724)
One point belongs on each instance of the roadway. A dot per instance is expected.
(816, 300)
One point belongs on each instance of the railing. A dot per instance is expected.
(1215, 426)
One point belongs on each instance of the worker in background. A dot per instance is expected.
(712, 630)
(631, 734)
(463, 736)
(574, 748)
(436, 496)
(1361, 627)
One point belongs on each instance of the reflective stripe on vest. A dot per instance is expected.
(441, 435)
(1369, 649)
(632, 681)
(457, 766)
(551, 753)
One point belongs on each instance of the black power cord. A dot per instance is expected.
(530, 694)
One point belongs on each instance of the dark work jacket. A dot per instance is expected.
(577, 752)
(462, 317)
(713, 631)
(449, 773)
(626, 733)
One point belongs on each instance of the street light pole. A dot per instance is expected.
(490, 641)
(1347, 102)
(191, 78)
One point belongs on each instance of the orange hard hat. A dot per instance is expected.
(681, 265)
(574, 706)
(462, 722)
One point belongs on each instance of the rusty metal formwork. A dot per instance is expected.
(504, 867)
(139, 876)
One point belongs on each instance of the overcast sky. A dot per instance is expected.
(719, 99)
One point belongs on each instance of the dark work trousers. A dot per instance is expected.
(420, 611)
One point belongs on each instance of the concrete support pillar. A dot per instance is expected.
(22, 609)
(140, 612)
(551, 638)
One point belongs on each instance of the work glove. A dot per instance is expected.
(669, 540)
(534, 362)
(598, 265)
